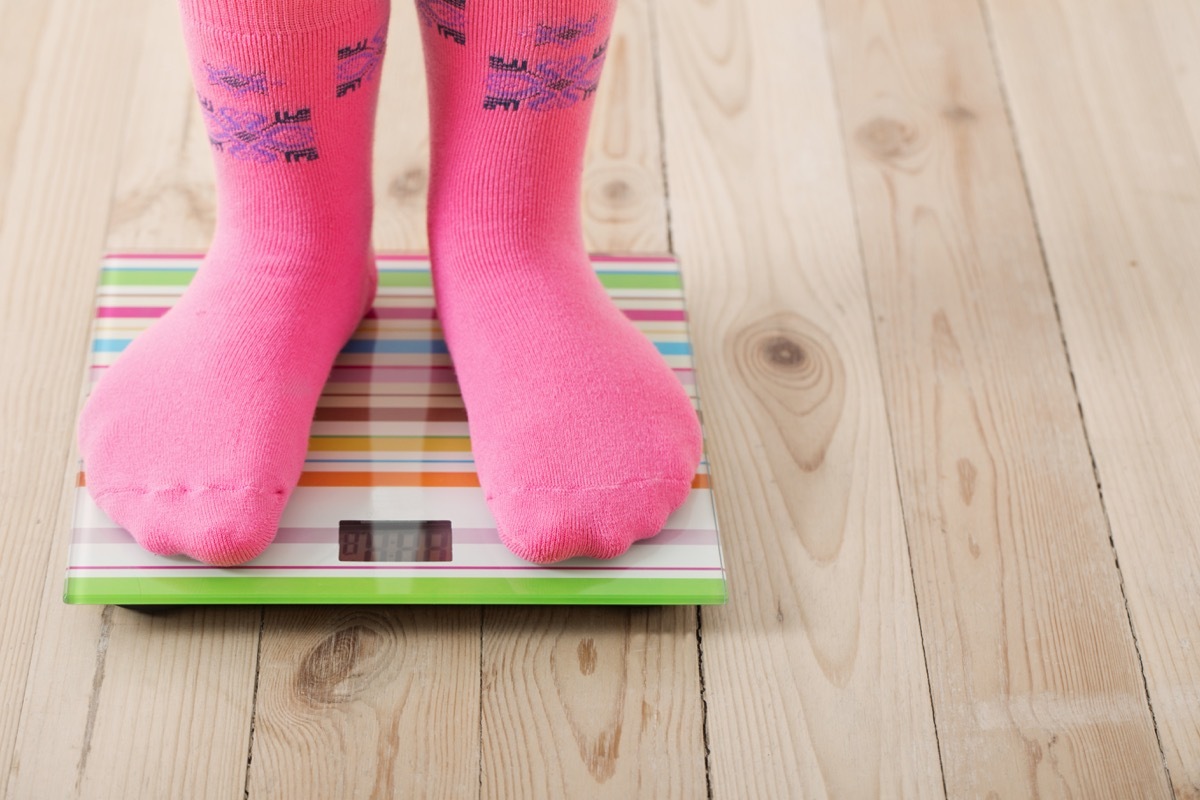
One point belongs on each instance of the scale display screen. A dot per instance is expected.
(394, 540)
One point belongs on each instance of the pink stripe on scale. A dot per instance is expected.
(372, 375)
(473, 536)
(150, 312)
(195, 256)
(404, 312)
(192, 255)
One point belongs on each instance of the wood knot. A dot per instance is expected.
(792, 357)
(587, 656)
(887, 139)
(967, 473)
(331, 672)
(410, 185)
(783, 352)
(617, 191)
(956, 112)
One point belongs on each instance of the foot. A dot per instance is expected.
(584, 439)
(194, 439)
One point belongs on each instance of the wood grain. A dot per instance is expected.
(57, 168)
(118, 704)
(1178, 28)
(600, 702)
(402, 138)
(21, 33)
(145, 706)
(593, 702)
(814, 677)
(1032, 660)
(165, 196)
(624, 200)
(368, 703)
(1114, 183)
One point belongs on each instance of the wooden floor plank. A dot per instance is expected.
(59, 163)
(624, 198)
(1113, 170)
(601, 702)
(1178, 28)
(121, 704)
(150, 705)
(22, 26)
(591, 702)
(359, 702)
(165, 197)
(814, 676)
(1030, 654)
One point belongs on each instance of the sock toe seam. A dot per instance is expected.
(199, 488)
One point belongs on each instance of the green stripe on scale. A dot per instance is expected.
(115, 276)
(243, 590)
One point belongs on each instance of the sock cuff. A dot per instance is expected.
(277, 16)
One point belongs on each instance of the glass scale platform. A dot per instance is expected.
(389, 509)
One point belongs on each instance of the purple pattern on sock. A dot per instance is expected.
(359, 61)
(235, 80)
(448, 16)
(549, 85)
(565, 34)
(254, 136)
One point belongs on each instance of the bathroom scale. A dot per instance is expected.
(389, 508)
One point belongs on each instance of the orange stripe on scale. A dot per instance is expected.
(366, 479)
(404, 444)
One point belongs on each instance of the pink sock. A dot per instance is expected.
(584, 439)
(194, 439)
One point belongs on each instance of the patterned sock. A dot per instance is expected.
(195, 437)
(584, 439)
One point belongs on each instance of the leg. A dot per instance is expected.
(194, 439)
(584, 440)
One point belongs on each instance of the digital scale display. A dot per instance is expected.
(394, 540)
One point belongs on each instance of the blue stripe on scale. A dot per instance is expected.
(358, 346)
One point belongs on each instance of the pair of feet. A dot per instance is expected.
(584, 440)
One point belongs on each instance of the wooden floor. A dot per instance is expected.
(942, 260)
